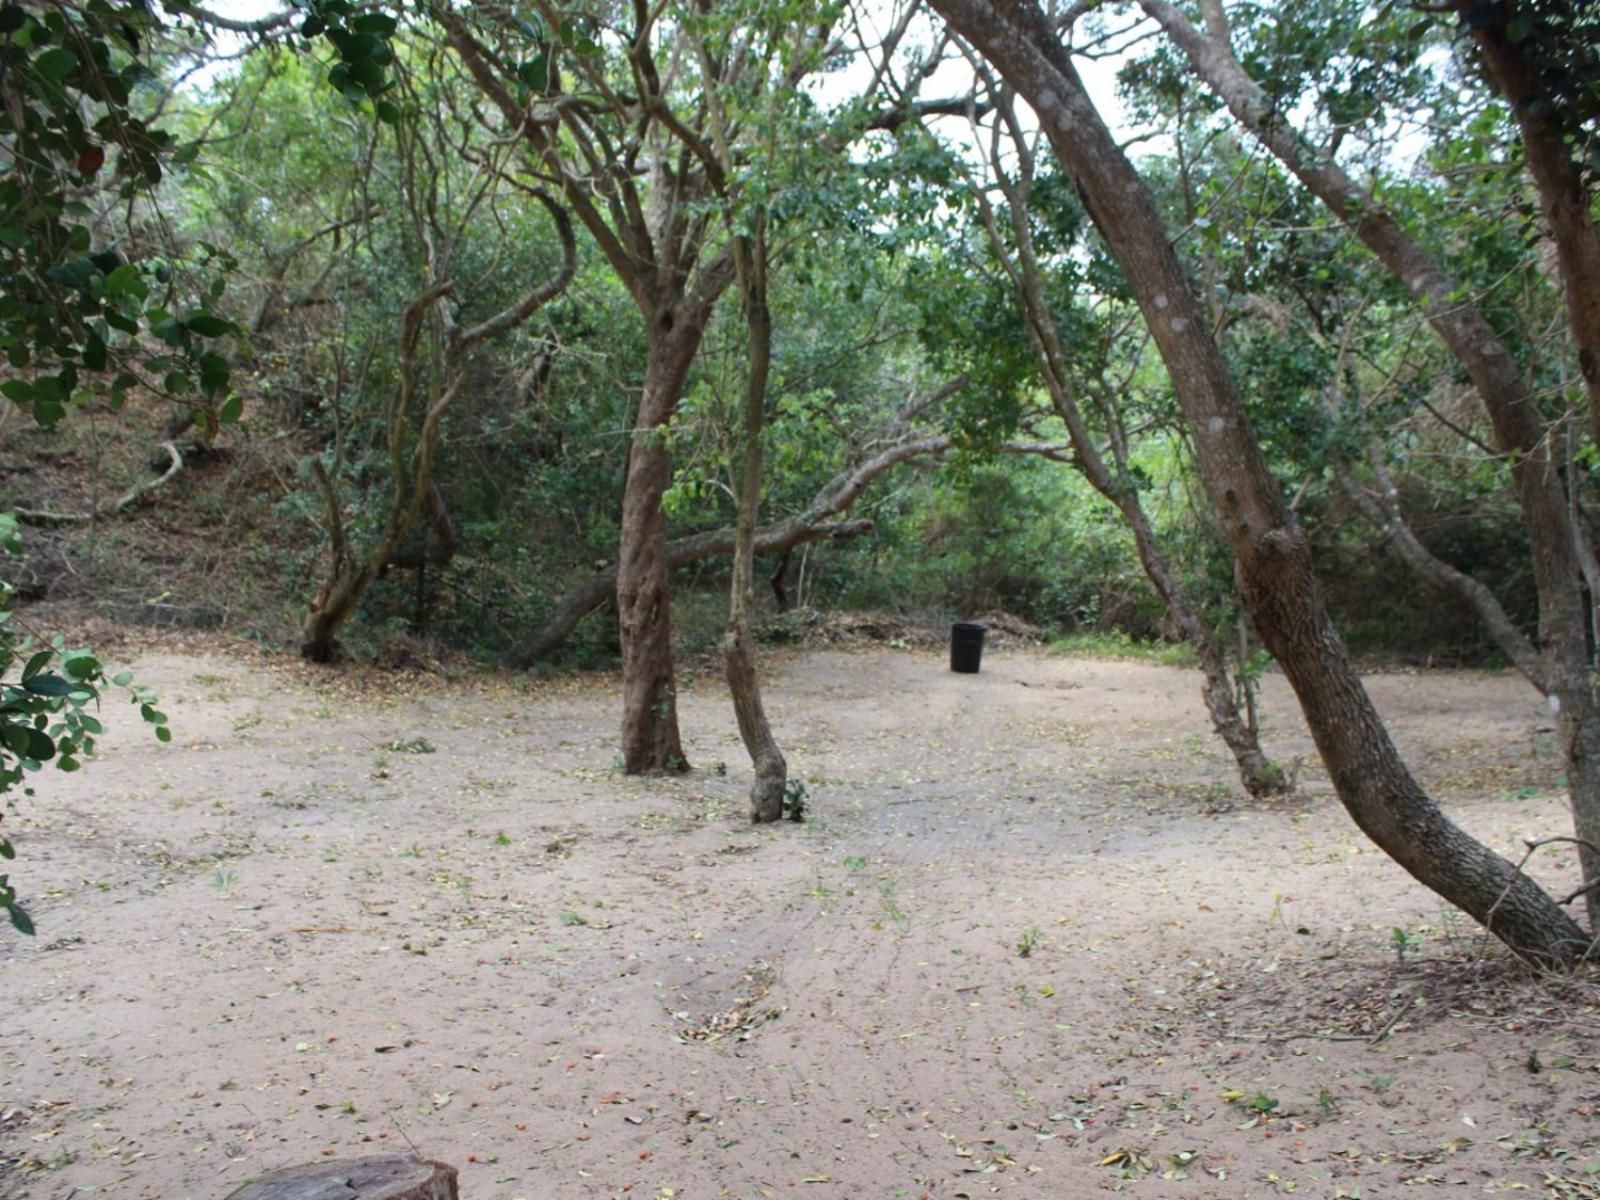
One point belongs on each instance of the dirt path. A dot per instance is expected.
(1031, 943)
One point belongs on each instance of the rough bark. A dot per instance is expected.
(655, 238)
(1259, 775)
(601, 587)
(1519, 428)
(389, 1177)
(1271, 551)
(650, 737)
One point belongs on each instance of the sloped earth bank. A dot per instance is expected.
(1029, 943)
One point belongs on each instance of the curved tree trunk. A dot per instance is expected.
(1272, 554)
(1259, 774)
(1383, 513)
(1566, 678)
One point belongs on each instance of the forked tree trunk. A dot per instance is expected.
(654, 243)
(1271, 551)
(738, 647)
(1520, 430)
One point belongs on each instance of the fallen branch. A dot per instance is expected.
(601, 587)
(812, 525)
(45, 519)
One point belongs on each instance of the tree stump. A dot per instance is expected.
(388, 1177)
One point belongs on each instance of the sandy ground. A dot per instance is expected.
(1030, 942)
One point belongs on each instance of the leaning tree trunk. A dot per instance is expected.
(1272, 554)
(1513, 411)
(650, 738)
(1259, 774)
(738, 647)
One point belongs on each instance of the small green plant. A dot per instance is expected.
(794, 800)
(1327, 1103)
(223, 881)
(891, 906)
(855, 862)
(572, 918)
(1404, 942)
(416, 745)
(1029, 940)
(501, 839)
(1261, 1103)
(1178, 654)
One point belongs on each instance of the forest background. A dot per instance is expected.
(395, 328)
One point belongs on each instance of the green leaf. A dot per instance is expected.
(163, 734)
(48, 685)
(56, 64)
(36, 664)
(380, 24)
(214, 373)
(7, 850)
(209, 325)
(21, 920)
(41, 746)
(94, 352)
(536, 73)
(230, 411)
(127, 280)
(80, 666)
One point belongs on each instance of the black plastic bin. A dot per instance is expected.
(966, 646)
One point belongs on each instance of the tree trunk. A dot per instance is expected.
(601, 587)
(390, 1177)
(650, 738)
(1258, 773)
(1563, 198)
(1272, 554)
(1383, 513)
(738, 647)
(1520, 430)
(780, 582)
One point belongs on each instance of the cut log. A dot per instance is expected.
(387, 1177)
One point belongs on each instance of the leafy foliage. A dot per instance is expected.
(48, 700)
(75, 312)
